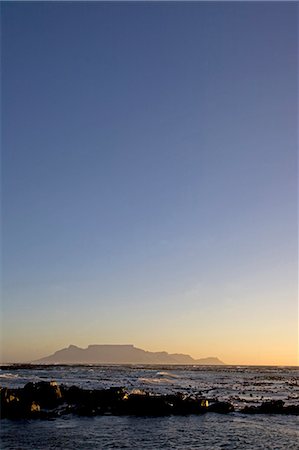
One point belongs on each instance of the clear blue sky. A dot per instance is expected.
(150, 178)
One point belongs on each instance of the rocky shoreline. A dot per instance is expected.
(46, 400)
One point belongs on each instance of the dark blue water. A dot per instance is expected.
(210, 431)
(239, 385)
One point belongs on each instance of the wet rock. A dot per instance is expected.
(47, 400)
(292, 409)
(35, 407)
(221, 407)
(145, 405)
(250, 410)
(161, 405)
(272, 407)
(75, 395)
(10, 404)
(72, 394)
(29, 401)
(190, 405)
(15, 406)
(92, 402)
(47, 394)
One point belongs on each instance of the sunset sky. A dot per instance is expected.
(149, 187)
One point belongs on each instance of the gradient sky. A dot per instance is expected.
(150, 178)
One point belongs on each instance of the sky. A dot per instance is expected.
(149, 178)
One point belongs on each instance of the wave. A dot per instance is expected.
(9, 375)
(155, 380)
(167, 374)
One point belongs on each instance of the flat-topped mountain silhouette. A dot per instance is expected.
(120, 354)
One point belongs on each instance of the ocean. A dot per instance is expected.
(240, 386)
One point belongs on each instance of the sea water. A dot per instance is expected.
(238, 385)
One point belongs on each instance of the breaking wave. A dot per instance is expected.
(155, 380)
(167, 374)
(9, 376)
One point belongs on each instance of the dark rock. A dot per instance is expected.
(145, 405)
(250, 410)
(10, 404)
(272, 407)
(221, 407)
(93, 402)
(161, 405)
(47, 394)
(292, 409)
(189, 405)
(15, 406)
(47, 400)
(34, 407)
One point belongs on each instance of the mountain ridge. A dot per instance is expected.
(121, 354)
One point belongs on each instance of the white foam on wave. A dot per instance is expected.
(167, 374)
(155, 380)
(9, 375)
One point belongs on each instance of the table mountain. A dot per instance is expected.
(120, 354)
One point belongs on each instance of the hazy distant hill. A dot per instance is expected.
(120, 354)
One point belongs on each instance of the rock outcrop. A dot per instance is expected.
(47, 400)
(272, 407)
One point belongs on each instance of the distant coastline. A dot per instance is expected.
(121, 354)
